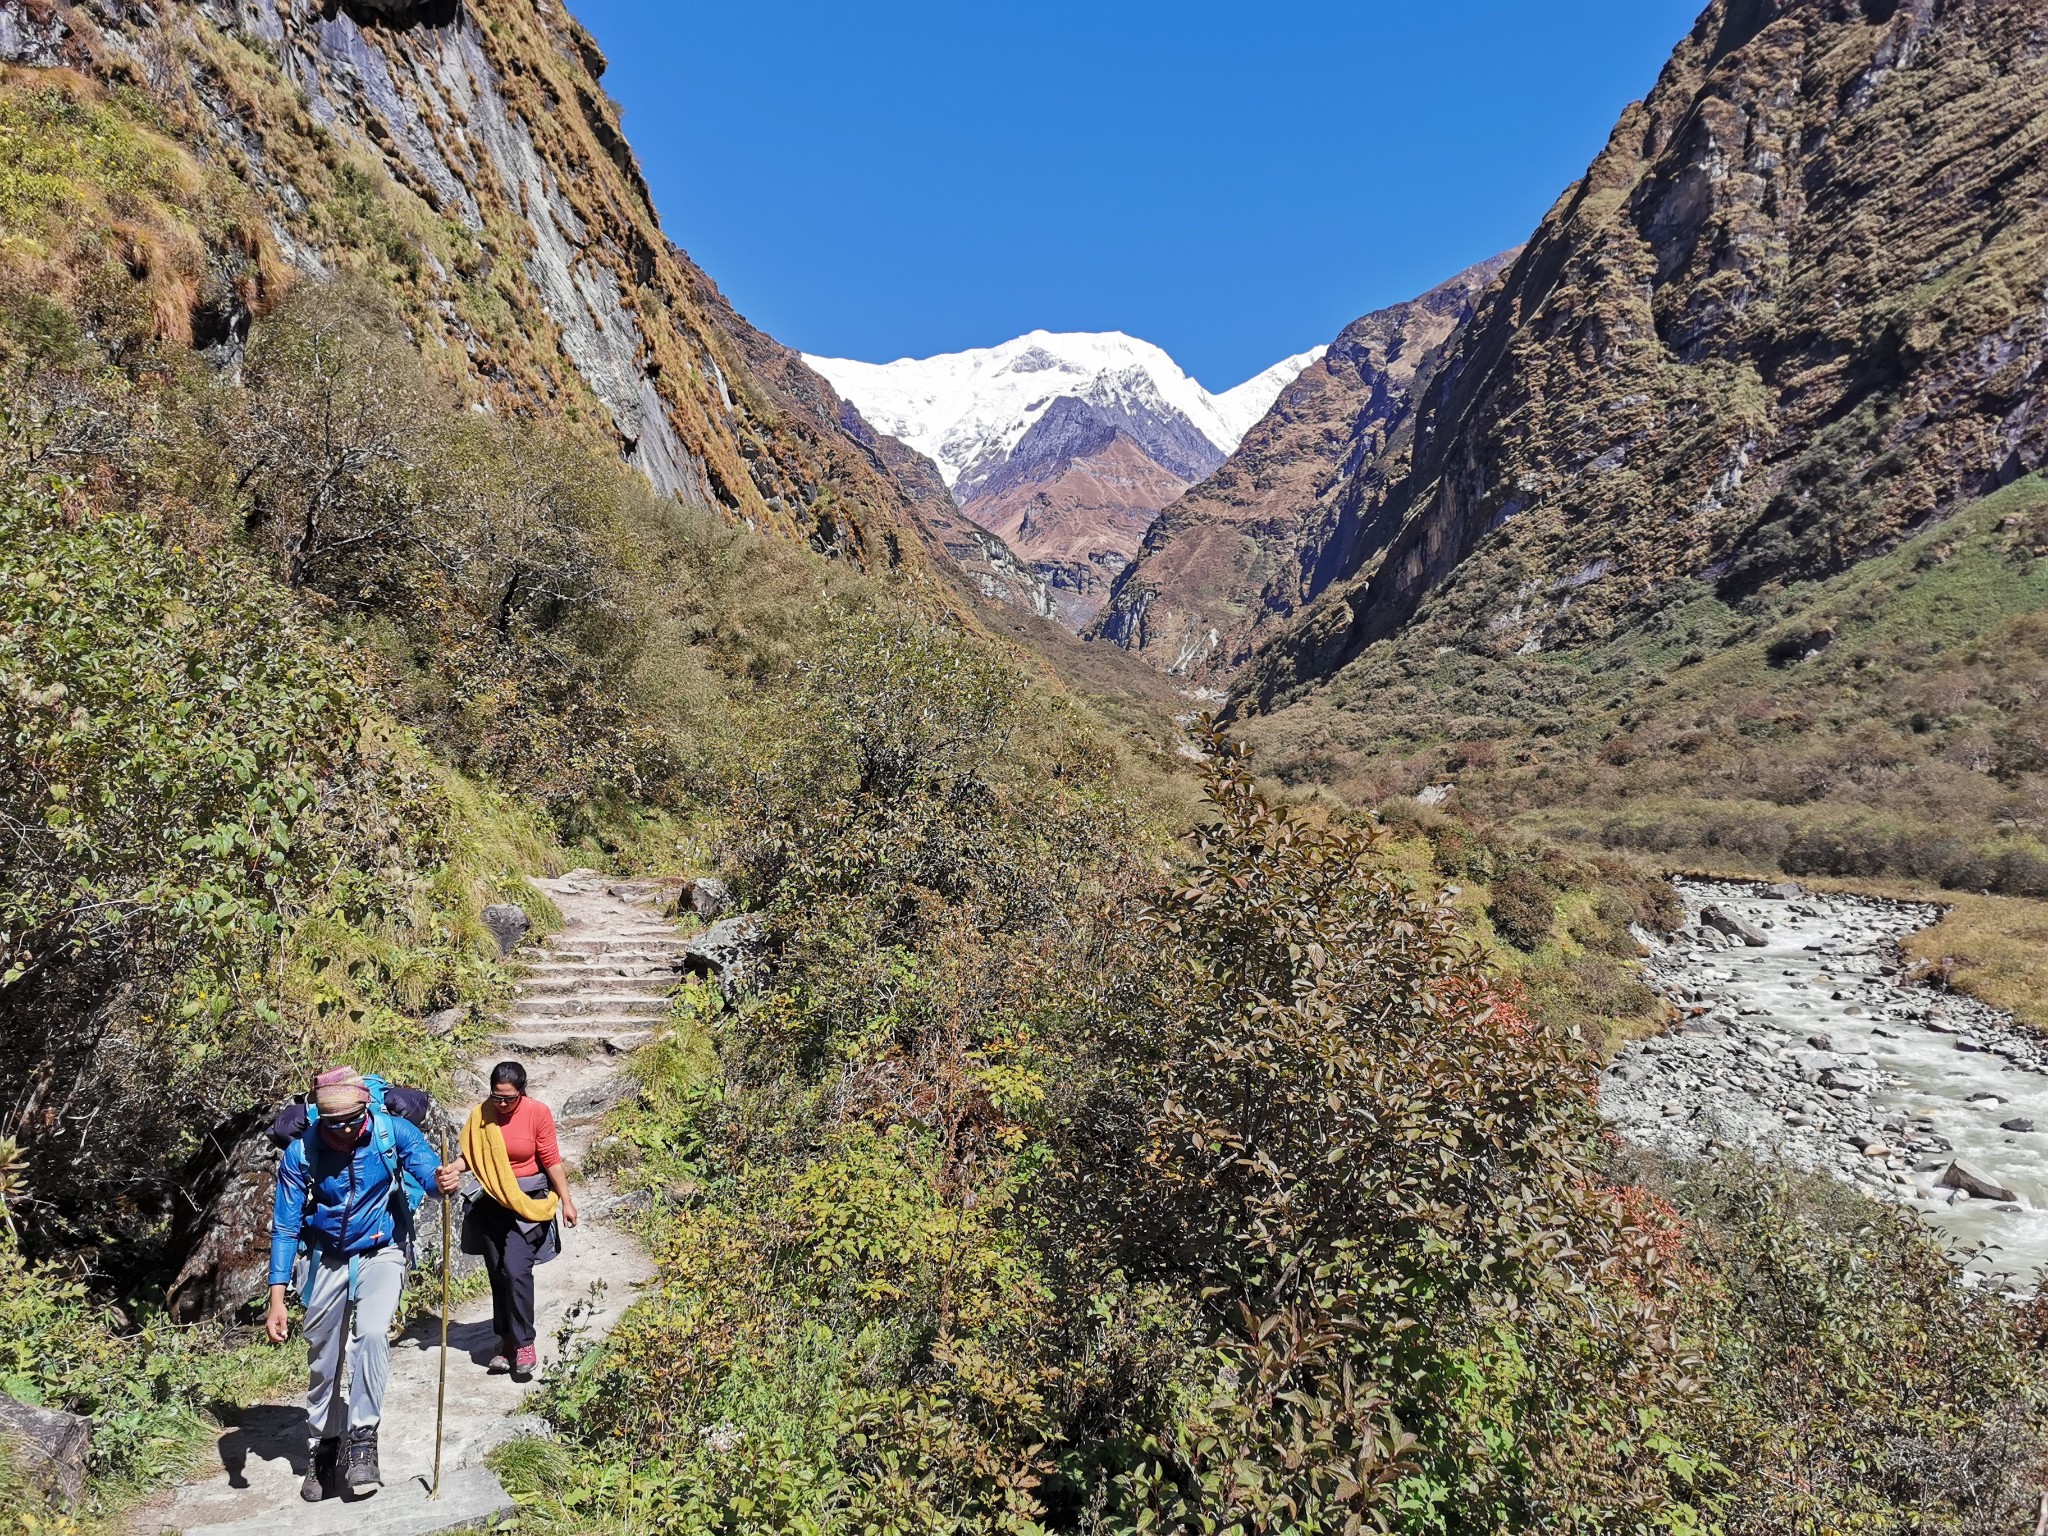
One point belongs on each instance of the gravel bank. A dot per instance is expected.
(1811, 1048)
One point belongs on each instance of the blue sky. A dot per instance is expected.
(1232, 181)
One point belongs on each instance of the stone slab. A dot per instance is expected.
(471, 1499)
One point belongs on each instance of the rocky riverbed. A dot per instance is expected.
(1803, 1041)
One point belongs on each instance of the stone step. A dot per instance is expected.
(613, 1037)
(471, 1497)
(621, 962)
(569, 949)
(577, 1005)
(646, 984)
(596, 967)
(575, 1023)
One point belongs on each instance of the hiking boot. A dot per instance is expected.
(362, 1459)
(501, 1362)
(524, 1362)
(321, 1480)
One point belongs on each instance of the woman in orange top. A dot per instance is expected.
(511, 1247)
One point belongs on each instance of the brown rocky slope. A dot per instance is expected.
(1080, 519)
(466, 159)
(1261, 536)
(1791, 314)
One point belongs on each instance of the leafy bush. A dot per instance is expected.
(187, 776)
(1853, 1384)
(147, 1392)
(1522, 907)
(1374, 1172)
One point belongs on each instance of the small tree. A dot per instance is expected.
(326, 449)
(1377, 1172)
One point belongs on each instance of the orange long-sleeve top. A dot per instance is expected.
(529, 1136)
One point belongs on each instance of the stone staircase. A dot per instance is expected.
(601, 984)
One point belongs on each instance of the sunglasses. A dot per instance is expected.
(506, 1098)
(348, 1125)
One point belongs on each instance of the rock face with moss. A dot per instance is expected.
(1269, 530)
(1791, 314)
(465, 155)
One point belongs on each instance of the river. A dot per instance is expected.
(1815, 1049)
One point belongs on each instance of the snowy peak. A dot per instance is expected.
(1242, 407)
(967, 411)
(1064, 444)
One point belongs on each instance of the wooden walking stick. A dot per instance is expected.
(441, 1393)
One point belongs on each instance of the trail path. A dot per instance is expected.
(1815, 1048)
(594, 993)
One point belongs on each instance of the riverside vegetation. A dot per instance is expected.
(1091, 1151)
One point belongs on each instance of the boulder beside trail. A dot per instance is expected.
(47, 1447)
(1713, 917)
(1978, 1185)
(724, 952)
(707, 897)
(222, 1233)
(508, 925)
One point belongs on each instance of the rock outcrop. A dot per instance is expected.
(1265, 533)
(1792, 313)
(48, 1449)
(465, 155)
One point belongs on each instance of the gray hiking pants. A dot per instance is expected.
(348, 1344)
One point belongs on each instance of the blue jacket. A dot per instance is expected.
(354, 1209)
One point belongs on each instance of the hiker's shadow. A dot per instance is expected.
(268, 1432)
(479, 1341)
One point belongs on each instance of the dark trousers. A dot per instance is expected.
(508, 1258)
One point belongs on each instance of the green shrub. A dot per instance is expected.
(1852, 1383)
(1373, 1170)
(1521, 906)
(147, 1392)
(188, 776)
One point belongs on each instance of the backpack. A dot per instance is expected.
(300, 1121)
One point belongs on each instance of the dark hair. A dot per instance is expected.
(509, 1072)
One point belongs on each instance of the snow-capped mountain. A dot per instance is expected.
(966, 411)
(1065, 444)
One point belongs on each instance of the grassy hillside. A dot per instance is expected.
(1884, 723)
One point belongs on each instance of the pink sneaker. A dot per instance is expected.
(524, 1362)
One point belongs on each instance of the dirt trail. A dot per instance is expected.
(594, 993)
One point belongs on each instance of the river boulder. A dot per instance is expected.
(1977, 1184)
(1714, 917)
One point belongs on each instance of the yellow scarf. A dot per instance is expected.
(483, 1148)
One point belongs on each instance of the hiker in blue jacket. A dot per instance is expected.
(342, 1220)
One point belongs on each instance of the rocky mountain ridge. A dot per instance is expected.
(466, 156)
(1064, 445)
(1792, 313)
(1263, 534)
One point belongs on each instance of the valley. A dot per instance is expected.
(1065, 446)
(1447, 940)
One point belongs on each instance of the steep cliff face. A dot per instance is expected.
(1792, 313)
(1078, 515)
(464, 155)
(1265, 533)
